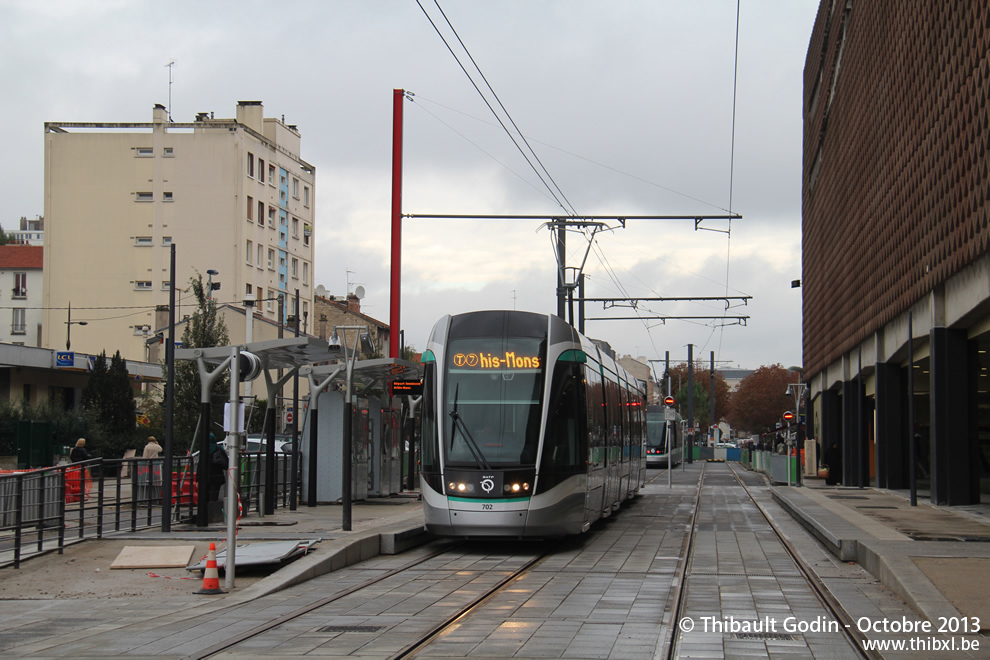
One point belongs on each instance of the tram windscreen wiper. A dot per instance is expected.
(479, 456)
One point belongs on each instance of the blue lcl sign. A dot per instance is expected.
(65, 359)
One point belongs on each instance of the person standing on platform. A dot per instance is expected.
(79, 453)
(152, 449)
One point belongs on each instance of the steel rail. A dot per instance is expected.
(825, 596)
(425, 640)
(306, 609)
(670, 644)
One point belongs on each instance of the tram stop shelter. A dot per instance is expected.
(367, 430)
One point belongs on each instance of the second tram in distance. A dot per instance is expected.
(529, 430)
(663, 437)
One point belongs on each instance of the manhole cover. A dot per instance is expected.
(338, 629)
(764, 637)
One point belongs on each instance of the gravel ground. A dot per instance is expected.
(83, 571)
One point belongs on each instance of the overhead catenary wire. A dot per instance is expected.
(548, 181)
(567, 208)
(732, 165)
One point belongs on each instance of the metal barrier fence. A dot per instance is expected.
(42, 510)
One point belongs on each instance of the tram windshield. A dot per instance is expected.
(494, 390)
(656, 431)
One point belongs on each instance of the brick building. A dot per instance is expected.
(895, 221)
(340, 311)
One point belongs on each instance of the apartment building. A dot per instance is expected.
(21, 294)
(232, 195)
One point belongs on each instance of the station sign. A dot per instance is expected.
(409, 387)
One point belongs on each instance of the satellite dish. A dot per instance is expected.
(359, 292)
(321, 291)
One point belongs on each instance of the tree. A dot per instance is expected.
(204, 329)
(109, 407)
(679, 379)
(760, 400)
(700, 405)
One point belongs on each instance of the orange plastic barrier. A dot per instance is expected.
(187, 493)
(78, 484)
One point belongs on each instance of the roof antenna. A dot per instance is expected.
(169, 111)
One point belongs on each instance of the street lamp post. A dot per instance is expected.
(68, 327)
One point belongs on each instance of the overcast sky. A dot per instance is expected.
(629, 106)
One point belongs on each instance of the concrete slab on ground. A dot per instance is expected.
(153, 556)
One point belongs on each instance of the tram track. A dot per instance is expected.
(311, 607)
(413, 649)
(825, 596)
(410, 650)
(854, 637)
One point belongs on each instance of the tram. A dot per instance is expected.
(529, 430)
(663, 437)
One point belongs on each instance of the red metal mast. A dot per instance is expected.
(396, 273)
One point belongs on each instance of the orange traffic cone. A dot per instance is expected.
(211, 577)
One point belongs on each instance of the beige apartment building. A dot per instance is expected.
(232, 195)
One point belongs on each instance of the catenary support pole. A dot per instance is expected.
(169, 400)
(232, 474)
(396, 266)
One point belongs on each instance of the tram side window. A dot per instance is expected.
(428, 438)
(565, 446)
(596, 406)
(613, 418)
(626, 435)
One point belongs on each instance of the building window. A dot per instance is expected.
(307, 232)
(166, 240)
(306, 196)
(295, 268)
(249, 252)
(250, 209)
(168, 152)
(248, 289)
(271, 175)
(281, 236)
(18, 324)
(261, 170)
(281, 194)
(295, 227)
(261, 212)
(144, 152)
(271, 259)
(250, 165)
(144, 197)
(295, 188)
(142, 285)
(261, 252)
(167, 197)
(305, 273)
(20, 285)
(166, 285)
(144, 241)
(271, 301)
